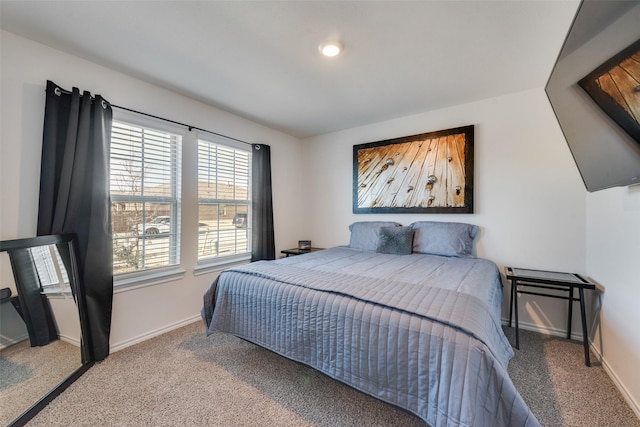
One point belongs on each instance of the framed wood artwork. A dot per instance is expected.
(615, 88)
(427, 173)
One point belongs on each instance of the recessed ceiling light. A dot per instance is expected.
(330, 48)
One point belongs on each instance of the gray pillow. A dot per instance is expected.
(366, 234)
(395, 240)
(444, 238)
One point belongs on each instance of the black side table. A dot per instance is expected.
(297, 251)
(564, 282)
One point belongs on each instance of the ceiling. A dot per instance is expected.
(260, 60)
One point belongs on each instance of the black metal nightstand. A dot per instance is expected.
(297, 251)
(564, 282)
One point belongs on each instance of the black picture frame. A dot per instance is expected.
(615, 87)
(426, 173)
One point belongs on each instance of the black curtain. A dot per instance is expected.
(34, 307)
(74, 196)
(263, 242)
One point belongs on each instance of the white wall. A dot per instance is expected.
(66, 318)
(529, 199)
(613, 260)
(26, 66)
(12, 327)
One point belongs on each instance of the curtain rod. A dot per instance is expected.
(59, 89)
(180, 124)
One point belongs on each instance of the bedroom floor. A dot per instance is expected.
(28, 373)
(184, 378)
(550, 374)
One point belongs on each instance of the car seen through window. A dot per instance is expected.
(240, 220)
(162, 225)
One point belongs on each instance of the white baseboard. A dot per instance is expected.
(8, 342)
(556, 332)
(635, 406)
(151, 334)
(71, 340)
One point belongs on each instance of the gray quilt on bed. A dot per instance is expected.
(418, 331)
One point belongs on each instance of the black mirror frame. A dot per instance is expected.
(87, 359)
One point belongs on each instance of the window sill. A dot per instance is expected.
(125, 284)
(220, 264)
(56, 293)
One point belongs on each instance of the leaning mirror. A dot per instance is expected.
(43, 345)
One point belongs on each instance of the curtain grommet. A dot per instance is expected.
(57, 91)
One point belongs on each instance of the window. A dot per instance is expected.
(224, 199)
(50, 268)
(145, 197)
(164, 220)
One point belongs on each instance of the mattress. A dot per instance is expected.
(421, 332)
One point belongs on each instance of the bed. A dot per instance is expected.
(404, 314)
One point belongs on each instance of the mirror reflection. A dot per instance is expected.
(605, 154)
(40, 333)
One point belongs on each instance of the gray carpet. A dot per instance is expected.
(550, 374)
(28, 373)
(183, 378)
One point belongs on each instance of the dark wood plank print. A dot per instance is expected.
(615, 87)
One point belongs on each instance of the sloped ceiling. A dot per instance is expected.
(260, 59)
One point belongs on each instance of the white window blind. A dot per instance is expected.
(145, 195)
(51, 271)
(224, 198)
